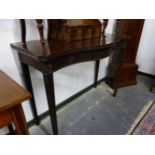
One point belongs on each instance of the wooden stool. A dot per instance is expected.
(11, 96)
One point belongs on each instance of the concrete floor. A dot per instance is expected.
(99, 113)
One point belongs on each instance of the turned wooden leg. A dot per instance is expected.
(19, 120)
(97, 63)
(28, 84)
(41, 29)
(49, 87)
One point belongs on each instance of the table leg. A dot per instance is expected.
(11, 130)
(19, 120)
(28, 84)
(97, 63)
(119, 69)
(49, 87)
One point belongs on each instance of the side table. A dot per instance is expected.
(53, 55)
(11, 96)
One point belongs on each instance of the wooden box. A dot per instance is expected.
(75, 29)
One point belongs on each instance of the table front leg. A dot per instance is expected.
(28, 83)
(19, 120)
(97, 63)
(49, 87)
(119, 69)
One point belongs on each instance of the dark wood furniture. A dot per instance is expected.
(11, 96)
(75, 29)
(48, 56)
(132, 28)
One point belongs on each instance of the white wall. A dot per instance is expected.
(67, 81)
(146, 51)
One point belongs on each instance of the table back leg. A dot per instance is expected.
(28, 84)
(97, 63)
(119, 68)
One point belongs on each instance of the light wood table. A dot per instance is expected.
(11, 96)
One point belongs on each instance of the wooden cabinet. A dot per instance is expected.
(133, 28)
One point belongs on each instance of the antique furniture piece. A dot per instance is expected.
(11, 96)
(71, 30)
(132, 28)
(50, 55)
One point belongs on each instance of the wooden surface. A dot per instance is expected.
(81, 22)
(75, 29)
(11, 96)
(11, 93)
(52, 49)
(5, 119)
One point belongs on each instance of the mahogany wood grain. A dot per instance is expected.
(52, 49)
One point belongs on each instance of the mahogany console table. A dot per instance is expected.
(51, 55)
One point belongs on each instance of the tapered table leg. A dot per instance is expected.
(28, 83)
(97, 63)
(49, 87)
